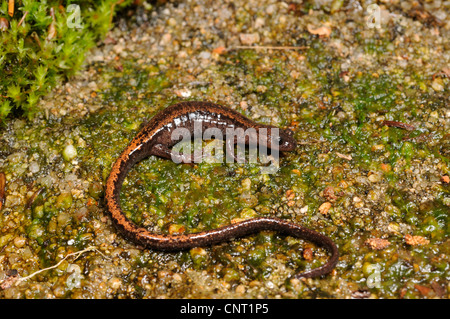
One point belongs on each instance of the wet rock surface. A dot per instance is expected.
(380, 190)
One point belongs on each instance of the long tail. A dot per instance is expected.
(146, 238)
(241, 229)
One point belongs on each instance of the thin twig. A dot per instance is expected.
(112, 10)
(33, 197)
(402, 125)
(270, 47)
(77, 254)
(23, 18)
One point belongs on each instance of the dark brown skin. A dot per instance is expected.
(155, 139)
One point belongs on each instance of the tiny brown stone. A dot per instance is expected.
(324, 208)
(308, 254)
(377, 243)
(328, 193)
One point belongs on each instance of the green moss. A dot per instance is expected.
(48, 46)
(256, 255)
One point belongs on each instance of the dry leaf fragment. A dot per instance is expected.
(52, 27)
(416, 240)
(438, 289)
(347, 157)
(324, 31)
(219, 50)
(422, 289)
(11, 8)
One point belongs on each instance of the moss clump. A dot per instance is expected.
(43, 42)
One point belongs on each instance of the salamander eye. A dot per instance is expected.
(279, 140)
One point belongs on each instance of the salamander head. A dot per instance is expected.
(286, 141)
(279, 139)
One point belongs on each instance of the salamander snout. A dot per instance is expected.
(286, 141)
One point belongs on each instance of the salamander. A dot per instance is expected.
(156, 138)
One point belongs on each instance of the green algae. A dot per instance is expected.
(44, 43)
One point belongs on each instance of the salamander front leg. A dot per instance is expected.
(165, 152)
(229, 146)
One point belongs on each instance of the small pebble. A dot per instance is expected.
(34, 167)
(324, 208)
(20, 241)
(69, 152)
(249, 38)
(115, 283)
